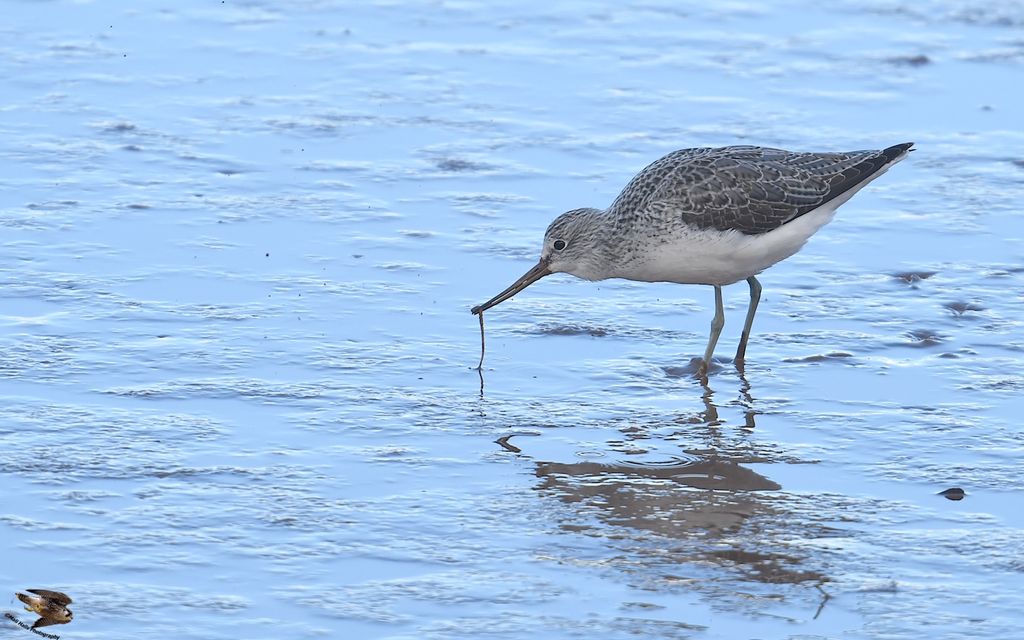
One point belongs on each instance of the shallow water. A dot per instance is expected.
(240, 245)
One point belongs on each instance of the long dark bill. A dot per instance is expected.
(533, 275)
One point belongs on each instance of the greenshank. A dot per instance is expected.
(711, 216)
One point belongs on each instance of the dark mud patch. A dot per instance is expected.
(822, 357)
(912, 277)
(918, 60)
(571, 330)
(960, 308)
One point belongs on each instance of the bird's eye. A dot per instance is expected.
(559, 245)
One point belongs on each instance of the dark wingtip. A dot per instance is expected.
(897, 150)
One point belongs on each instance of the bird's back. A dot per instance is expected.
(749, 189)
(719, 215)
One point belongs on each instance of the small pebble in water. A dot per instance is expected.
(953, 493)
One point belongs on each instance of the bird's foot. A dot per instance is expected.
(696, 368)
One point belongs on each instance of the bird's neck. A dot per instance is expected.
(599, 241)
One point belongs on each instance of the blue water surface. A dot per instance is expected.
(239, 245)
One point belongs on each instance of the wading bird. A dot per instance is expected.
(711, 216)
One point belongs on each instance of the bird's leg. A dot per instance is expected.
(716, 328)
(755, 297)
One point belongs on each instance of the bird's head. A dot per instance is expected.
(570, 245)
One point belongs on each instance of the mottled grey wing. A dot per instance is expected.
(55, 596)
(750, 189)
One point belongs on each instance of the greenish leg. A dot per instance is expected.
(716, 328)
(755, 297)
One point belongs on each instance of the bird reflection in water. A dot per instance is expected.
(702, 508)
